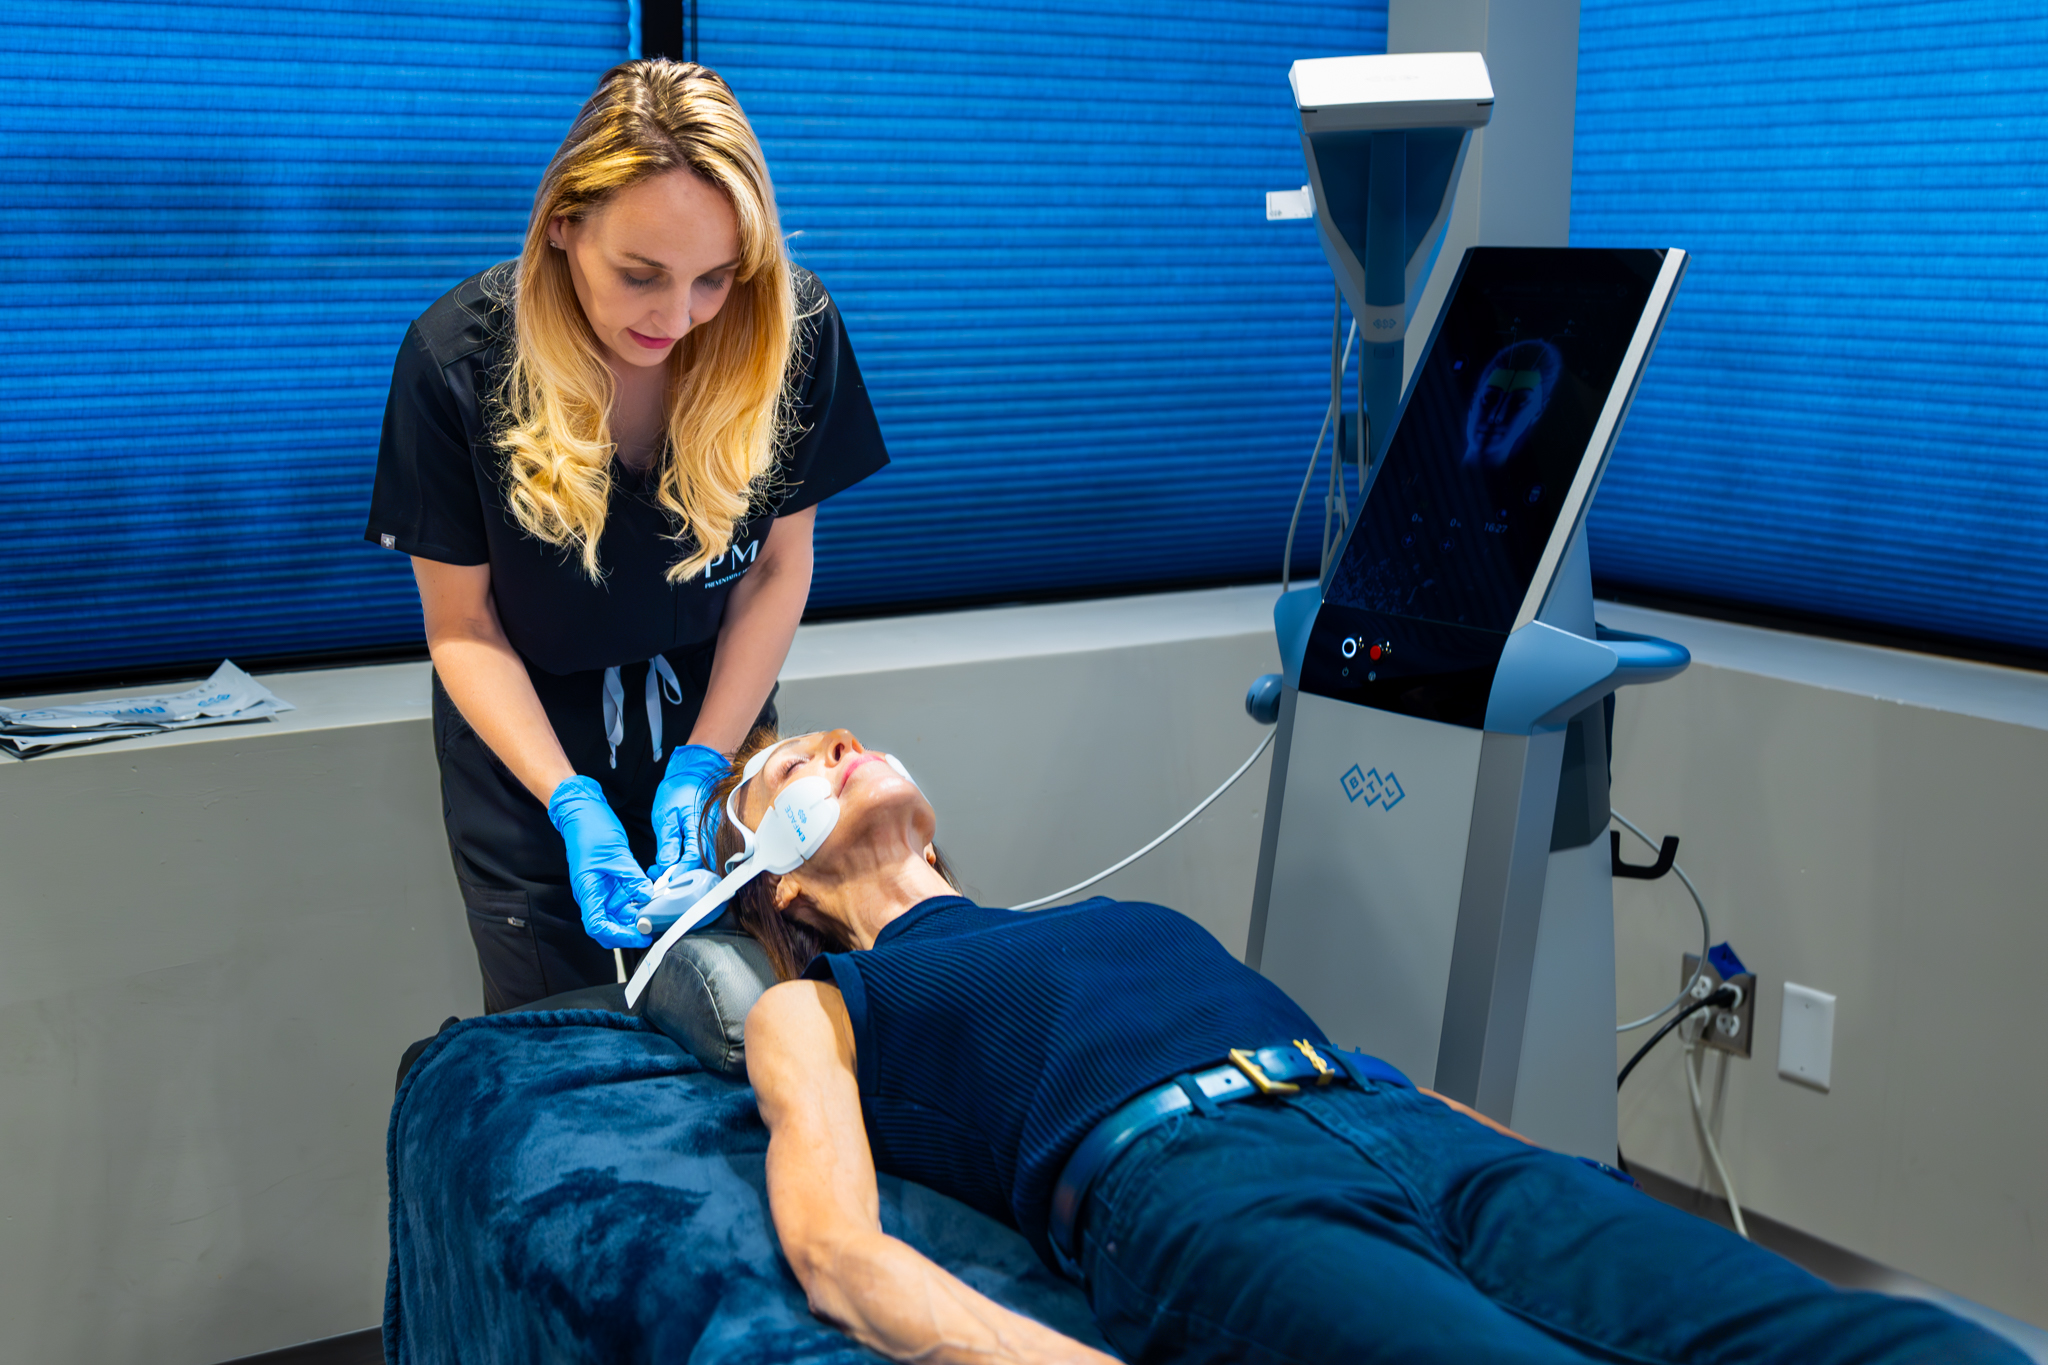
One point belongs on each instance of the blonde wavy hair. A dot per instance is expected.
(726, 379)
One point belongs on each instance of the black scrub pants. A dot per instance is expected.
(511, 864)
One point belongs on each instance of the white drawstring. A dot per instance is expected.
(614, 711)
(660, 678)
(657, 668)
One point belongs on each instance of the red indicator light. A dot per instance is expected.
(1373, 653)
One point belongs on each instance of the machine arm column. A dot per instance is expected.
(1499, 909)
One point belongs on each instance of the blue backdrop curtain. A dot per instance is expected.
(1097, 365)
(224, 217)
(1848, 414)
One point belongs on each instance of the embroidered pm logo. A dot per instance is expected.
(1371, 787)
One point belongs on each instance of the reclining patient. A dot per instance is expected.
(1344, 1217)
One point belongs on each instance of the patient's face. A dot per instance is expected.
(873, 797)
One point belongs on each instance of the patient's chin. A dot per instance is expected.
(877, 788)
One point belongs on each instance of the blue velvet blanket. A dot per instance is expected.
(573, 1186)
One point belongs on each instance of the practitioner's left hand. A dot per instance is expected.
(693, 770)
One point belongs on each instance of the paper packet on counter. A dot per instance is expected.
(229, 697)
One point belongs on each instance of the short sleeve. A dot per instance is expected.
(425, 500)
(838, 441)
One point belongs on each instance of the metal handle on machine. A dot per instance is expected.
(1643, 658)
(1667, 855)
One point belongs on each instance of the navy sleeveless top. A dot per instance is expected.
(988, 1042)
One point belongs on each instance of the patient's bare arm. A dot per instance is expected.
(821, 1190)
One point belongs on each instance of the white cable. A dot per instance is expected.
(1364, 431)
(1207, 801)
(1330, 491)
(1706, 933)
(1699, 1123)
(1287, 555)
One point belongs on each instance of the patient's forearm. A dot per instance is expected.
(887, 1296)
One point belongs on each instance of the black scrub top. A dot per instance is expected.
(440, 491)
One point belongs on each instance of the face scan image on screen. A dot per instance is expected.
(1499, 418)
(1512, 395)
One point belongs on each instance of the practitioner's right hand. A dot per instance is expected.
(610, 886)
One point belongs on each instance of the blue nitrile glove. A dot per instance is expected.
(609, 884)
(693, 770)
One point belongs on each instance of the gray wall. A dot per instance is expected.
(1517, 185)
(214, 947)
(1884, 850)
(212, 950)
(1048, 768)
(211, 955)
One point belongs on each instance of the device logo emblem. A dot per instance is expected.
(1375, 789)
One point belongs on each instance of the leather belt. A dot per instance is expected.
(1276, 1071)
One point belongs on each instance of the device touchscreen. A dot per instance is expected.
(1497, 423)
(1500, 417)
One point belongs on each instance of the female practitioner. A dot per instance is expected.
(605, 459)
(1343, 1216)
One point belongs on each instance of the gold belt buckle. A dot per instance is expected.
(1325, 1073)
(1243, 1061)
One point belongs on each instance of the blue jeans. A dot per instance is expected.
(1352, 1225)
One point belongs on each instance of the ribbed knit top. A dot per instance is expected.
(988, 1042)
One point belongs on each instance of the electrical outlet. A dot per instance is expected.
(1726, 1030)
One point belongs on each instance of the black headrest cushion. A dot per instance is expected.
(701, 993)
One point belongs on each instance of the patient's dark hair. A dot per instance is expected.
(790, 942)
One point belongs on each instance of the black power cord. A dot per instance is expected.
(1719, 999)
(1722, 998)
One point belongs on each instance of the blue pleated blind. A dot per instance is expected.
(1096, 364)
(1848, 414)
(224, 215)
